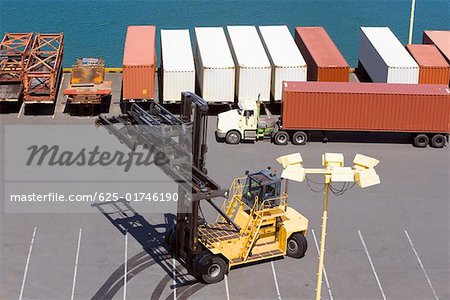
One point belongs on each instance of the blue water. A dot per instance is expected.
(97, 28)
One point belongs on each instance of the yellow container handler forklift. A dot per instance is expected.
(254, 223)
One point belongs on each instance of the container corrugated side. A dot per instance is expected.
(139, 64)
(287, 61)
(177, 65)
(254, 72)
(384, 58)
(433, 68)
(325, 61)
(441, 39)
(359, 107)
(214, 64)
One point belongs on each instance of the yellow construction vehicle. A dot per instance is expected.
(255, 223)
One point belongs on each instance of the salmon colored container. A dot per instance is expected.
(324, 60)
(139, 64)
(380, 107)
(441, 39)
(433, 68)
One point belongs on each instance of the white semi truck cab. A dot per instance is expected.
(246, 124)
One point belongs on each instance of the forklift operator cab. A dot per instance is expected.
(264, 186)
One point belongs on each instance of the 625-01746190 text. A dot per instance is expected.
(94, 197)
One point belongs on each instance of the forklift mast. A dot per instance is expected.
(183, 140)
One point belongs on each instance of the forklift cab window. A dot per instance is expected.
(252, 190)
(272, 194)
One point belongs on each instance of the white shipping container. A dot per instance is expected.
(214, 64)
(253, 76)
(287, 62)
(384, 58)
(177, 64)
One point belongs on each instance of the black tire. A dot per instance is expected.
(170, 239)
(296, 245)
(421, 140)
(281, 138)
(233, 137)
(299, 138)
(438, 141)
(210, 268)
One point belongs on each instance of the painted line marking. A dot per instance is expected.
(20, 110)
(227, 289)
(276, 281)
(324, 270)
(27, 263)
(421, 265)
(174, 279)
(125, 270)
(76, 266)
(371, 263)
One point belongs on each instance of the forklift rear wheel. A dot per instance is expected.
(296, 245)
(233, 137)
(437, 141)
(210, 268)
(281, 138)
(421, 140)
(299, 138)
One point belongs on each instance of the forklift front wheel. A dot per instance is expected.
(210, 268)
(296, 245)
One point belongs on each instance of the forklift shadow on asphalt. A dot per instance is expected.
(155, 252)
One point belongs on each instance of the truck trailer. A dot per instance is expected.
(423, 110)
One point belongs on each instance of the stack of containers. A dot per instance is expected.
(325, 61)
(139, 64)
(214, 64)
(253, 75)
(441, 39)
(384, 58)
(177, 65)
(433, 68)
(287, 62)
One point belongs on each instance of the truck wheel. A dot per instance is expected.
(281, 138)
(299, 138)
(296, 245)
(438, 141)
(210, 268)
(421, 140)
(233, 137)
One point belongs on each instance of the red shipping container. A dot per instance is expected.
(378, 107)
(440, 38)
(433, 68)
(139, 63)
(324, 60)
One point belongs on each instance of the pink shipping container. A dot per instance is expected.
(380, 107)
(440, 38)
(139, 64)
(324, 60)
(433, 68)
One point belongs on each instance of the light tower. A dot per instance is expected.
(362, 172)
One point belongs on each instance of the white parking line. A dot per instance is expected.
(27, 263)
(20, 110)
(371, 263)
(276, 281)
(227, 289)
(174, 279)
(125, 267)
(324, 270)
(421, 265)
(76, 266)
